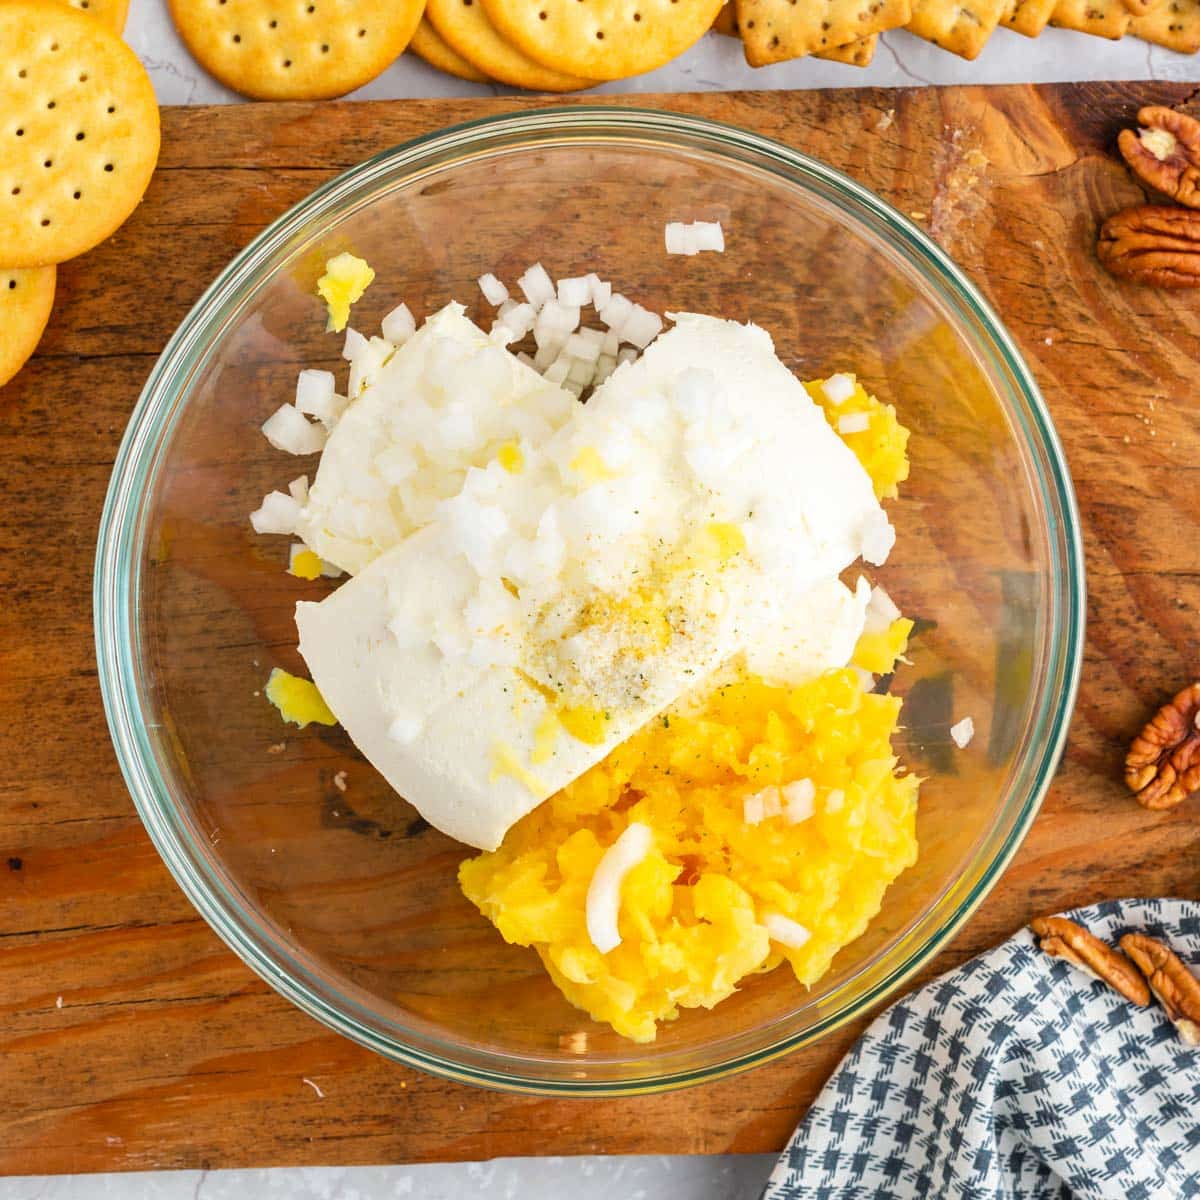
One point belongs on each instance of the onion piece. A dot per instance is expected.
(878, 538)
(604, 890)
(799, 800)
(854, 423)
(520, 319)
(753, 809)
(355, 345)
(575, 292)
(626, 354)
(678, 238)
(709, 235)
(601, 291)
(881, 612)
(583, 348)
(838, 388)
(298, 489)
(641, 327)
(399, 325)
(494, 292)
(289, 429)
(963, 732)
(556, 372)
(537, 285)
(835, 801)
(617, 311)
(785, 931)
(278, 513)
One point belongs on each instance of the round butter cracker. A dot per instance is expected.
(603, 39)
(465, 27)
(111, 12)
(79, 132)
(429, 45)
(26, 297)
(296, 49)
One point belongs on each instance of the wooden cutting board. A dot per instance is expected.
(131, 1038)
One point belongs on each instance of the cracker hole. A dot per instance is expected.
(362, 33)
(22, 73)
(12, 284)
(108, 166)
(237, 37)
(287, 62)
(272, 24)
(541, 16)
(80, 136)
(48, 163)
(599, 35)
(83, 78)
(53, 47)
(637, 16)
(20, 133)
(45, 222)
(16, 190)
(312, 8)
(112, 108)
(76, 195)
(325, 48)
(51, 103)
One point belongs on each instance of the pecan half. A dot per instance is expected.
(1061, 938)
(1163, 764)
(1153, 245)
(1173, 985)
(1165, 153)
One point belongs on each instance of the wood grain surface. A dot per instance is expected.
(131, 1038)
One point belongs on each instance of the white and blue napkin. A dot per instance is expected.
(1016, 1077)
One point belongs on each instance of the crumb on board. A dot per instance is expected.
(277, 748)
(963, 732)
(573, 1043)
(315, 1088)
(339, 781)
(886, 120)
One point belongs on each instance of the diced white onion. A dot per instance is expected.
(289, 429)
(753, 809)
(785, 931)
(678, 238)
(501, 334)
(548, 350)
(494, 292)
(556, 372)
(278, 513)
(641, 327)
(355, 345)
(582, 348)
(525, 359)
(617, 311)
(298, 489)
(626, 354)
(519, 319)
(315, 393)
(838, 388)
(835, 801)
(878, 538)
(799, 800)
(604, 890)
(560, 318)
(606, 364)
(537, 285)
(399, 325)
(601, 291)
(709, 236)
(580, 372)
(574, 387)
(963, 732)
(881, 612)
(575, 292)
(772, 802)
(854, 423)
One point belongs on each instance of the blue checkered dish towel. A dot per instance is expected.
(1016, 1077)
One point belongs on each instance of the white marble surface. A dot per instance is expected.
(901, 61)
(716, 62)
(728, 1177)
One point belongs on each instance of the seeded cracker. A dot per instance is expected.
(960, 26)
(428, 44)
(858, 53)
(467, 31)
(1101, 18)
(26, 298)
(296, 49)
(1028, 17)
(1174, 24)
(80, 132)
(776, 30)
(602, 39)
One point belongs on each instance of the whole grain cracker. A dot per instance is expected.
(26, 298)
(960, 26)
(1028, 17)
(78, 132)
(465, 27)
(1174, 24)
(429, 45)
(296, 49)
(776, 30)
(1101, 18)
(602, 39)
(857, 53)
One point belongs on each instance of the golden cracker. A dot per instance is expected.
(1101, 18)
(80, 132)
(602, 39)
(296, 49)
(1174, 24)
(26, 298)
(429, 45)
(1028, 17)
(112, 12)
(1140, 8)
(960, 26)
(726, 20)
(858, 53)
(465, 27)
(777, 30)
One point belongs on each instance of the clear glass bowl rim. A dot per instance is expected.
(118, 568)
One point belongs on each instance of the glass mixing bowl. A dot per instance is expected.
(347, 902)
